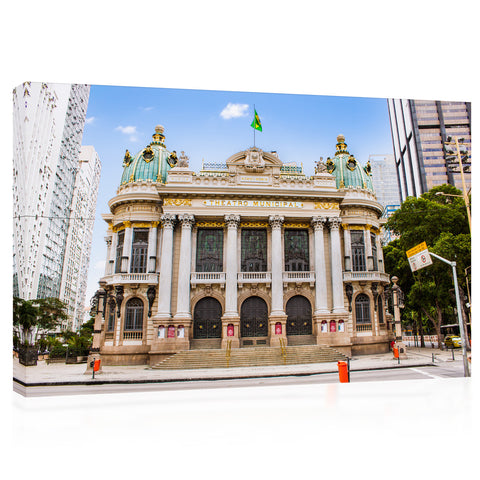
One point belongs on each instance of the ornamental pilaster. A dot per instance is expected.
(321, 305)
(187, 220)
(276, 222)
(231, 307)
(336, 259)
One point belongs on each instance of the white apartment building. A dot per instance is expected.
(79, 237)
(48, 128)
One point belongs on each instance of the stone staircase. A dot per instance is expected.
(250, 357)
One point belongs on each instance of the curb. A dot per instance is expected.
(204, 379)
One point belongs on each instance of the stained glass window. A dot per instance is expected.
(254, 250)
(139, 250)
(119, 252)
(296, 251)
(358, 251)
(373, 239)
(209, 250)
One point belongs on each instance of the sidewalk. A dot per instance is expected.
(62, 374)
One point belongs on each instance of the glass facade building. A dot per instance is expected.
(419, 130)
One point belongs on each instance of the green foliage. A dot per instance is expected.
(442, 223)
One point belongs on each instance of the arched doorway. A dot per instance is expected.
(299, 313)
(254, 318)
(207, 321)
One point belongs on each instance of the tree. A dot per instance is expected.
(442, 223)
(35, 317)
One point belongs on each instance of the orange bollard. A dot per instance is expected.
(343, 372)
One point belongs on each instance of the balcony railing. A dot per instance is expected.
(299, 277)
(151, 278)
(254, 277)
(132, 335)
(364, 327)
(207, 278)
(366, 276)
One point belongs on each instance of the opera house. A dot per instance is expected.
(250, 253)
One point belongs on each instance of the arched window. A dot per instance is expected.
(133, 315)
(362, 309)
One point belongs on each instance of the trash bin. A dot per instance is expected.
(395, 352)
(96, 366)
(343, 372)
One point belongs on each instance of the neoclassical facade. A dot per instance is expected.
(244, 253)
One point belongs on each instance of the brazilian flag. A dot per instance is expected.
(256, 124)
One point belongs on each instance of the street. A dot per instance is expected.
(441, 370)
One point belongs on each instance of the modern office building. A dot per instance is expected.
(249, 253)
(79, 235)
(385, 179)
(48, 128)
(419, 130)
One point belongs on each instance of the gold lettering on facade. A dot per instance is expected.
(177, 202)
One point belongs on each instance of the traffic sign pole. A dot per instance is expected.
(466, 370)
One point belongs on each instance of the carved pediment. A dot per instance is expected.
(253, 160)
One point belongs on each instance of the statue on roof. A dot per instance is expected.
(320, 166)
(183, 161)
(127, 159)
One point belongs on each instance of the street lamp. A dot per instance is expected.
(452, 156)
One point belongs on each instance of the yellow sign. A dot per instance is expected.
(417, 249)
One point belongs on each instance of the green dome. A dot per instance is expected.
(151, 164)
(346, 169)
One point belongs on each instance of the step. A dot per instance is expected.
(252, 356)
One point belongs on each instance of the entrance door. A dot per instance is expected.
(299, 312)
(207, 321)
(254, 318)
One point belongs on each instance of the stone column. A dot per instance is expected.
(321, 305)
(165, 284)
(127, 247)
(183, 292)
(152, 248)
(231, 272)
(230, 315)
(108, 266)
(277, 313)
(336, 260)
(276, 222)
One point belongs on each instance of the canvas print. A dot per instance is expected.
(168, 238)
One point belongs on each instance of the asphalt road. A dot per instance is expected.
(444, 370)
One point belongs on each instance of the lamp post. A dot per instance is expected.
(452, 157)
(398, 303)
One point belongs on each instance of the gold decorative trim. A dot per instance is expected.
(129, 224)
(210, 224)
(296, 225)
(254, 224)
(353, 227)
(177, 202)
(327, 205)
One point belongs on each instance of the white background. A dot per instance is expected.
(370, 48)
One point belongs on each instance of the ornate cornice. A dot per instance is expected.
(177, 202)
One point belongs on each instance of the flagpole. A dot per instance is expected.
(254, 127)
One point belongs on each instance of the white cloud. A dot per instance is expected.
(234, 110)
(129, 130)
(89, 120)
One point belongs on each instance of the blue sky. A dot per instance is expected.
(213, 125)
